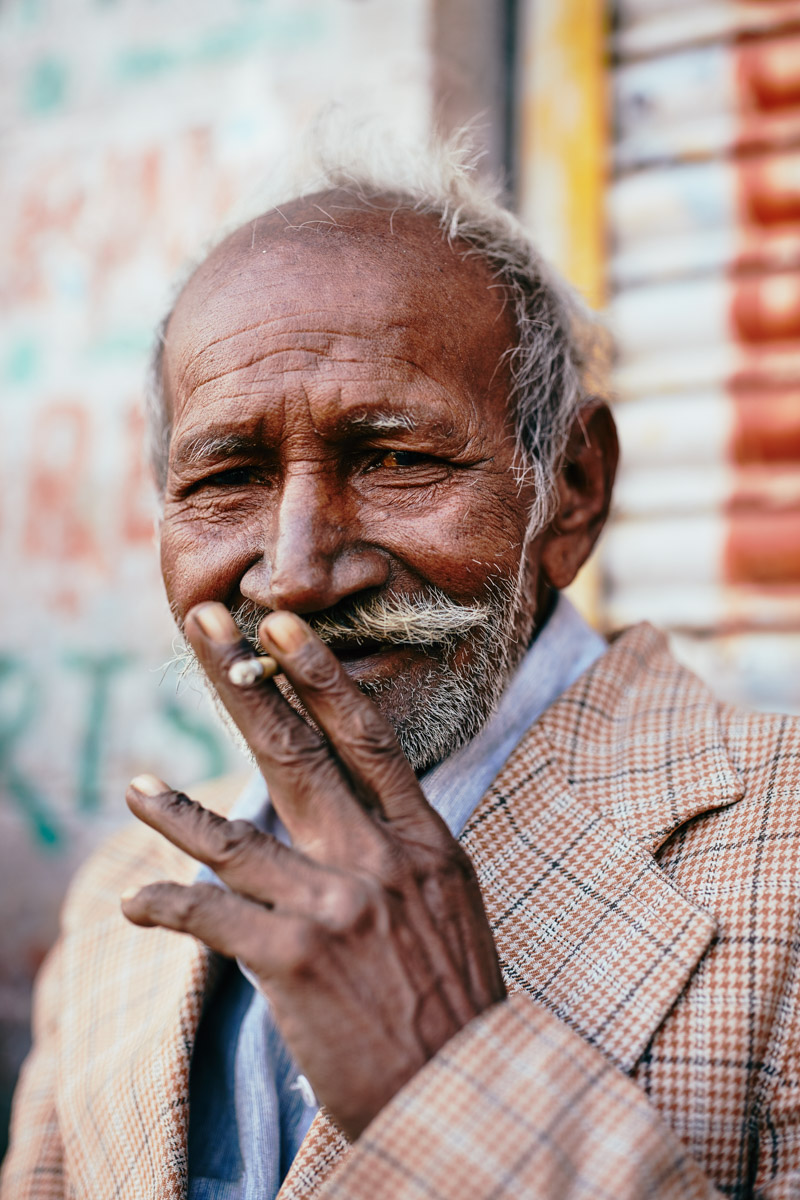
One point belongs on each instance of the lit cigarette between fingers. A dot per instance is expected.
(247, 672)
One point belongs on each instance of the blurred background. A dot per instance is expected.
(653, 148)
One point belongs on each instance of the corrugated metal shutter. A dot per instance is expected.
(704, 278)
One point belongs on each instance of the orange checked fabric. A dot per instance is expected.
(640, 860)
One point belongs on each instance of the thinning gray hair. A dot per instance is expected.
(558, 361)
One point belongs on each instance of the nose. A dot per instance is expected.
(313, 555)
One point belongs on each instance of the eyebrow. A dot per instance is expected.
(202, 448)
(382, 422)
(210, 447)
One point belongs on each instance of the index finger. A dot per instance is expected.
(361, 737)
(252, 863)
(306, 783)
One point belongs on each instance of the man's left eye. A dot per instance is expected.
(400, 458)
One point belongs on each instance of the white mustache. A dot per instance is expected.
(425, 620)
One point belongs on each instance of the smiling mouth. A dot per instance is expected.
(355, 652)
(352, 651)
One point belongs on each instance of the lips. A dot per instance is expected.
(374, 660)
(352, 651)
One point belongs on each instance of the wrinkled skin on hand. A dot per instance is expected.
(368, 935)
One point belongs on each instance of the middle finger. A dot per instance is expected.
(360, 735)
(305, 782)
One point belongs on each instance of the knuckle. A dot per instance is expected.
(392, 866)
(290, 745)
(436, 848)
(458, 862)
(368, 731)
(349, 905)
(232, 841)
(179, 804)
(318, 668)
(452, 857)
(187, 906)
(450, 867)
(228, 654)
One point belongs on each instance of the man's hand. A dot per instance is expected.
(368, 936)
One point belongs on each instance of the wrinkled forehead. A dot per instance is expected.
(327, 262)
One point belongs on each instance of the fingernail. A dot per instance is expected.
(216, 623)
(149, 785)
(286, 631)
(128, 894)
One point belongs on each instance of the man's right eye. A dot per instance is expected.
(231, 478)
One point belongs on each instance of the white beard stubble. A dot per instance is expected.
(434, 716)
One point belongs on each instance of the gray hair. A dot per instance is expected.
(558, 362)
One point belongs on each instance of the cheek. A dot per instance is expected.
(201, 564)
(463, 542)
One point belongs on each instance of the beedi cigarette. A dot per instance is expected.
(248, 671)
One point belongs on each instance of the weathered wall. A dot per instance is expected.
(129, 127)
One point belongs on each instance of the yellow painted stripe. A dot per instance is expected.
(564, 133)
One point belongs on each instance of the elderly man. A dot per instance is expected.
(517, 909)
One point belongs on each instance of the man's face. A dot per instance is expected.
(341, 435)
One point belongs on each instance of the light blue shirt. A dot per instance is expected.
(250, 1109)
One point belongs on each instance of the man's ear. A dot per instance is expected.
(584, 494)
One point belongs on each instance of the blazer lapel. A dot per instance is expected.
(639, 737)
(584, 919)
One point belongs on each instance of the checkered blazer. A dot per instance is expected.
(640, 863)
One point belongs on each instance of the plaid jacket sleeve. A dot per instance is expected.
(518, 1105)
(35, 1168)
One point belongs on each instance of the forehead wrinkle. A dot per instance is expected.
(376, 372)
(335, 408)
(325, 338)
(210, 343)
(190, 368)
(290, 319)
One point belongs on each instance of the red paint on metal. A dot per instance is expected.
(763, 549)
(769, 189)
(766, 309)
(769, 74)
(766, 427)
